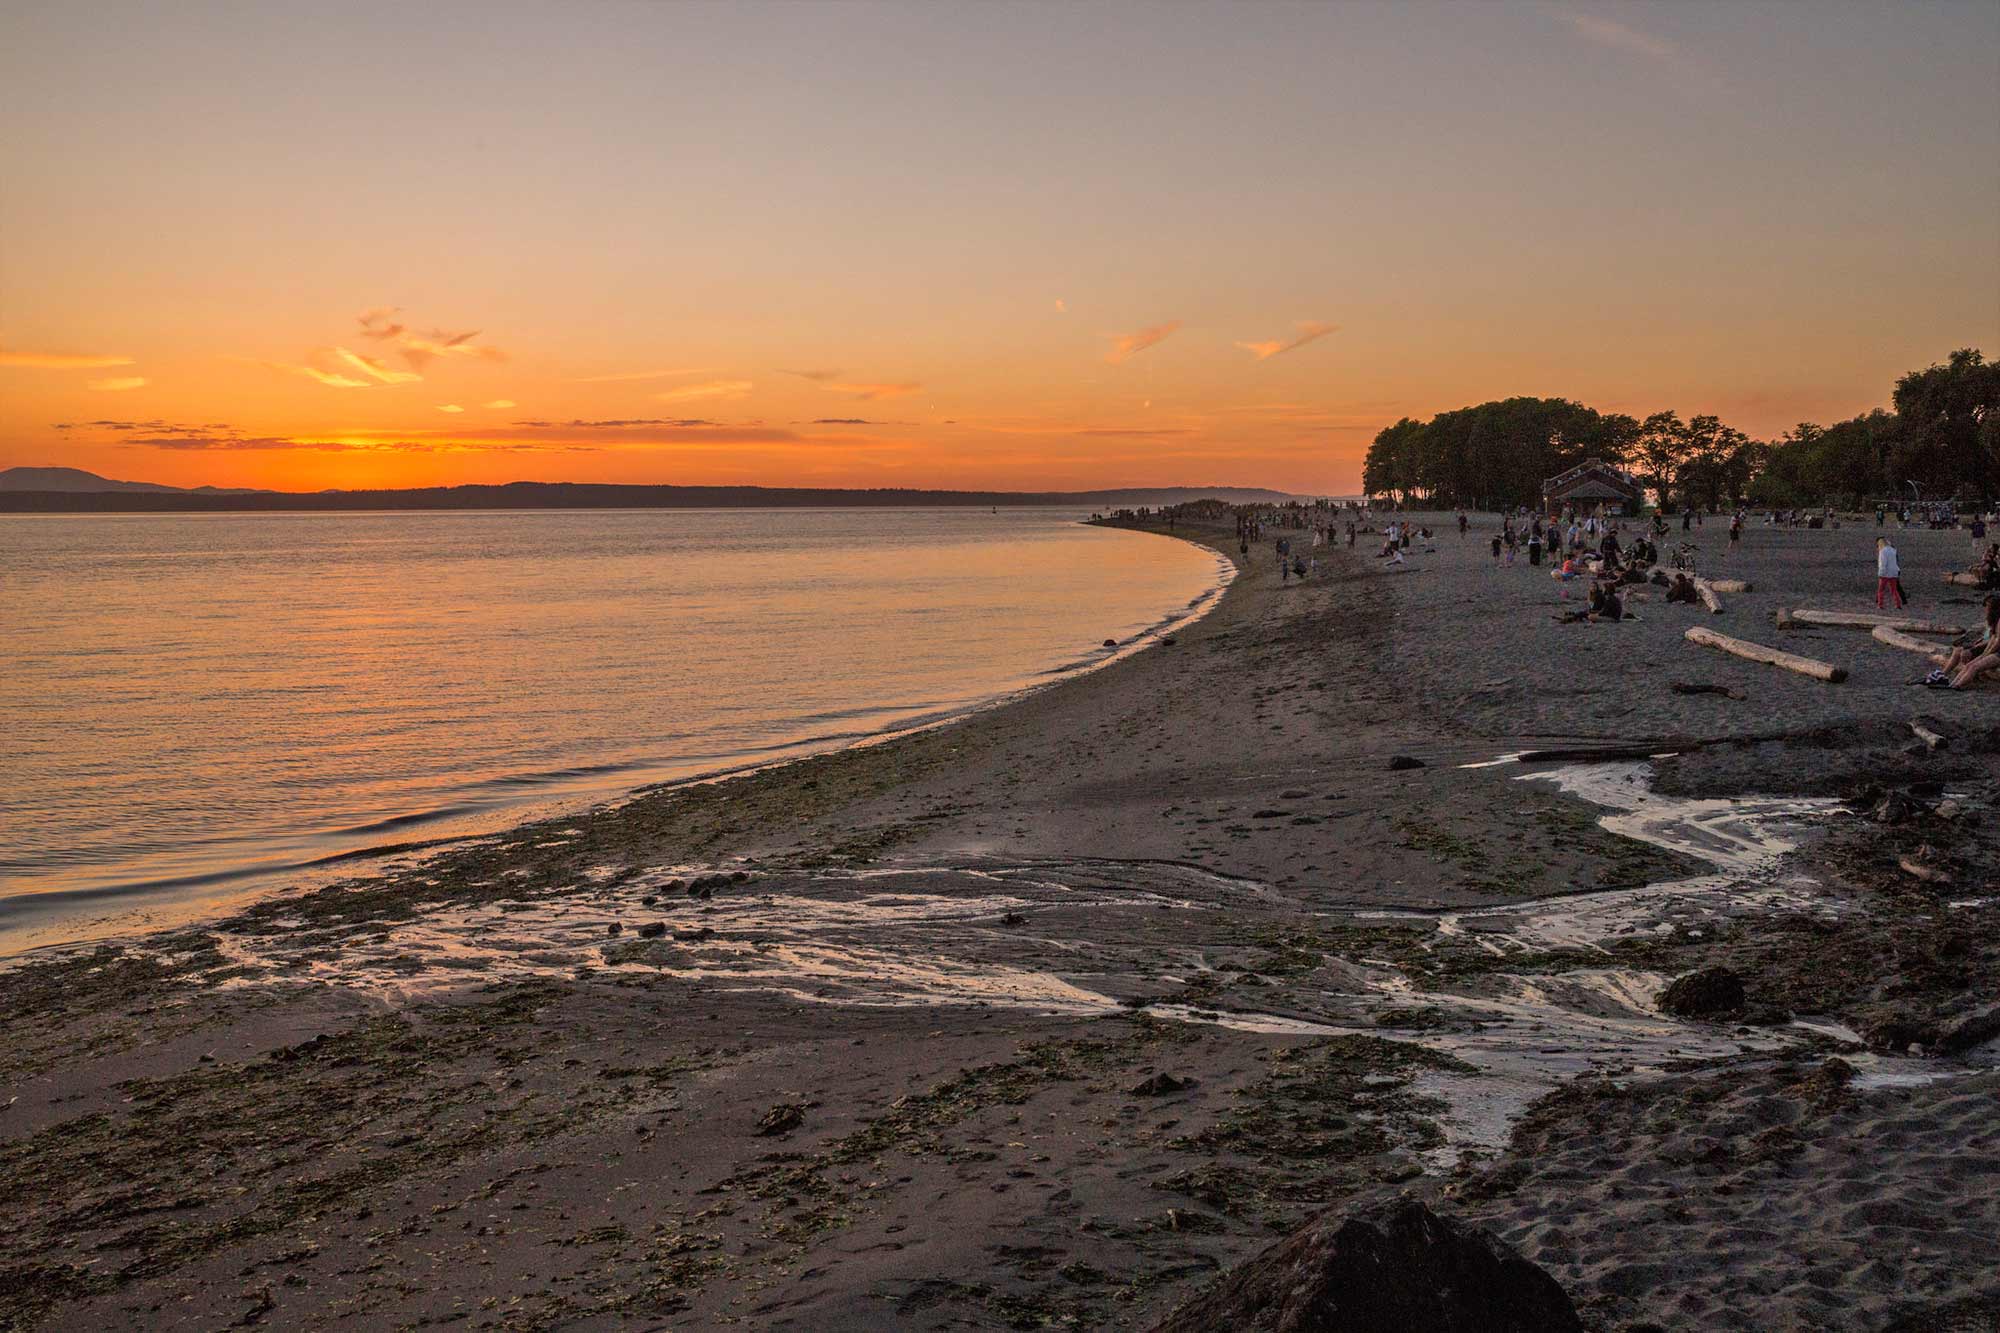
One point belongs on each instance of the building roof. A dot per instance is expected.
(1595, 479)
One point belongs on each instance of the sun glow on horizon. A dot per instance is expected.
(846, 280)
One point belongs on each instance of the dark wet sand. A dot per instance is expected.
(953, 965)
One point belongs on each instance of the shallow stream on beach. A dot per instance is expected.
(1091, 938)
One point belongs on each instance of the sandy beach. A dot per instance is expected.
(1052, 1016)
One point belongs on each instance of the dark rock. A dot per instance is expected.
(781, 1119)
(649, 899)
(1111, 643)
(1013, 919)
(652, 930)
(1896, 1031)
(1169, 641)
(676, 885)
(1394, 1266)
(1703, 994)
(1973, 1029)
(1404, 761)
(614, 929)
(1159, 1085)
(704, 933)
(739, 876)
(1895, 808)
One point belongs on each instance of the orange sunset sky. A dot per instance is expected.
(1013, 246)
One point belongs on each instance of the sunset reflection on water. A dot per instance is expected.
(190, 697)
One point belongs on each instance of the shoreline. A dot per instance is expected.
(1057, 1012)
(161, 904)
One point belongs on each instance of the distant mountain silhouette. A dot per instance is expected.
(71, 490)
(75, 481)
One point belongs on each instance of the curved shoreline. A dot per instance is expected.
(27, 921)
(984, 999)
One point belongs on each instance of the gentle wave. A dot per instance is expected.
(241, 699)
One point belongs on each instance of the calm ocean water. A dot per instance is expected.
(192, 700)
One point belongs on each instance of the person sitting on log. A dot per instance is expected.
(1976, 654)
(1683, 590)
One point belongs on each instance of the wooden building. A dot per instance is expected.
(1588, 485)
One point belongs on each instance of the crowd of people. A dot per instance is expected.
(1604, 560)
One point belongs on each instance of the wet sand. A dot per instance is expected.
(1047, 1017)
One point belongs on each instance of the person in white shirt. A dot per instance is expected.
(1888, 573)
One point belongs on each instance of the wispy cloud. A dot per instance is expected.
(622, 423)
(385, 324)
(1609, 32)
(871, 392)
(1308, 331)
(117, 383)
(374, 369)
(60, 360)
(332, 379)
(712, 389)
(1136, 432)
(631, 375)
(381, 323)
(845, 421)
(814, 375)
(500, 403)
(1128, 345)
(449, 407)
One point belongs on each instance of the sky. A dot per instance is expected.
(1016, 246)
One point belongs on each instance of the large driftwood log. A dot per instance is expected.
(1866, 620)
(1730, 585)
(1895, 637)
(1757, 652)
(1707, 592)
(1960, 577)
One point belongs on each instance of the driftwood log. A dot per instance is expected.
(1898, 638)
(1962, 578)
(1865, 620)
(1707, 591)
(1757, 652)
(1730, 585)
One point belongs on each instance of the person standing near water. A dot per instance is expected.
(1888, 573)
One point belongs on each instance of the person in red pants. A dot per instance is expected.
(1888, 573)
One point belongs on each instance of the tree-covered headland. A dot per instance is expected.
(1942, 434)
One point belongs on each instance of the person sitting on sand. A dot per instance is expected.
(1683, 590)
(1604, 605)
(1987, 571)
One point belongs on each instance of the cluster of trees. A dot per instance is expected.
(1944, 436)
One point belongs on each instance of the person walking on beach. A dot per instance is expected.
(1736, 530)
(1888, 573)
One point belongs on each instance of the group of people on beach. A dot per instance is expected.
(1607, 555)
